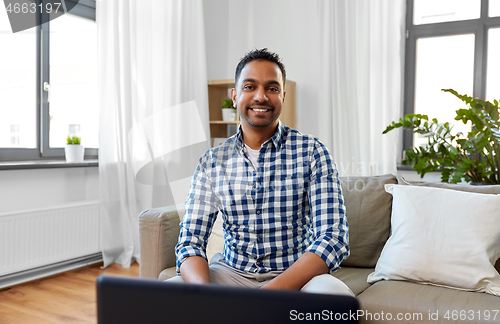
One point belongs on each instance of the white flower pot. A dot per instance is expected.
(74, 153)
(228, 114)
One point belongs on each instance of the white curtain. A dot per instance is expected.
(362, 55)
(153, 112)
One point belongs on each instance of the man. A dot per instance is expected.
(278, 193)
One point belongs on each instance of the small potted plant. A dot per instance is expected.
(74, 151)
(228, 110)
(472, 157)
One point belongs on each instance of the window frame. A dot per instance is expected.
(83, 9)
(479, 27)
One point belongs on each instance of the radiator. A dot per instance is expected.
(36, 238)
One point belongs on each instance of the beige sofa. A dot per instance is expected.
(369, 215)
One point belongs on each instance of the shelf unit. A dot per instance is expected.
(218, 90)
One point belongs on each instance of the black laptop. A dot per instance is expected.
(131, 300)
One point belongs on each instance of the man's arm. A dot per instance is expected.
(196, 226)
(308, 266)
(194, 269)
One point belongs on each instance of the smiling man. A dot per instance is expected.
(277, 191)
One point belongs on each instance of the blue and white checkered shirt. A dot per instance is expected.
(290, 203)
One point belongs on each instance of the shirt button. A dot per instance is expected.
(258, 211)
(257, 263)
(254, 185)
(259, 239)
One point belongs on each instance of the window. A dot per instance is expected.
(450, 44)
(74, 129)
(48, 86)
(18, 72)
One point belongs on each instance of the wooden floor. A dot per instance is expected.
(66, 298)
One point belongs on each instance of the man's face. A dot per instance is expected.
(258, 94)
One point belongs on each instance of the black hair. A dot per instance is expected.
(257, 55)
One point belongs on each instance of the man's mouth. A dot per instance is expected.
(260, 109)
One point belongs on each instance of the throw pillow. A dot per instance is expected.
(442, 237)
(485, 189)
(368, 211)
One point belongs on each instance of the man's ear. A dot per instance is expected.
(284, 94)
(233, 97)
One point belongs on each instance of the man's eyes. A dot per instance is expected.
(250, 87)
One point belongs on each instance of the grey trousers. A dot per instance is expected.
(223, 274)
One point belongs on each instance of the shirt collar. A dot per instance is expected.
(276, 139)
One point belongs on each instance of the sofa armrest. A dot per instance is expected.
(158, 233)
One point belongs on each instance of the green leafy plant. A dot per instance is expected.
(227, 103)
(473, 157)
(73, 140)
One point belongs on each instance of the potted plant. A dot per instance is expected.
(473, 157)
(73, 150)
(228, 110)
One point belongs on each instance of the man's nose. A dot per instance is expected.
(260, 95)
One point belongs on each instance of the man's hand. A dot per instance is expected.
(195, 270)
(309, 265)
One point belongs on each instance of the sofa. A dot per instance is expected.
(394, 279)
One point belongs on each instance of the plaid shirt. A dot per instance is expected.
(290, 203)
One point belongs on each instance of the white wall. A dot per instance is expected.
(43, 188)
(216, 15)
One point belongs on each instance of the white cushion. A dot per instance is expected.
(442, 237)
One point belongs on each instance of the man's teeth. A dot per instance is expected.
(259, 110)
